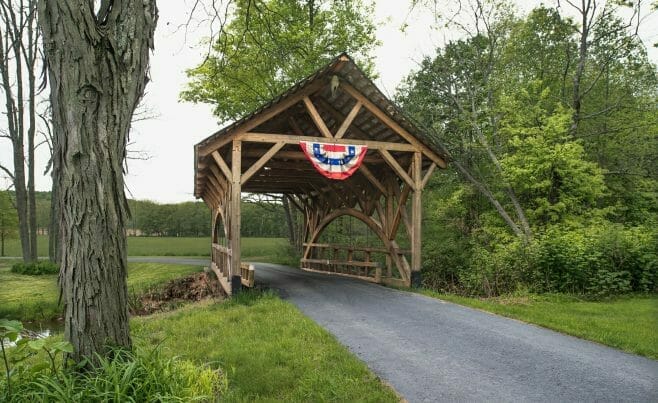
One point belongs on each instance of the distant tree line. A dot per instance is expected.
(148, 218)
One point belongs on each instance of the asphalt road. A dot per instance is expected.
(430, 350)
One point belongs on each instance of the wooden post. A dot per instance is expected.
(236, 190)
(416, 220)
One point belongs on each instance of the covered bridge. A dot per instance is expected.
(334, 119)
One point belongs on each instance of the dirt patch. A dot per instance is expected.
(173, 294)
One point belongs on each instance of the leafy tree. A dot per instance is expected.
(98, 58)
(546, 167)
(8, 220)
(270, 44)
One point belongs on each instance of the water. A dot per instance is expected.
(38, 330)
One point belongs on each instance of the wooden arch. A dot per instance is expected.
(261, 154)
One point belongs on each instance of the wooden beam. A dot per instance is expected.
(327, 106)
(416, 220)
(388, 121)
(236, 190)
(261, 161)
(428, 175)
(397, 168)
(317, 119)
(348, 120)
(292, 139)
(222, 164)
(261, 117)
(366, 172)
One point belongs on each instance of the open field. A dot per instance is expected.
(274, 249)
(268, 350)
(34, 298)
(629, 323)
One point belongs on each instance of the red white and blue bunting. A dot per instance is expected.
(335, 161)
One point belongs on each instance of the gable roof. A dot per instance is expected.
(317, 85)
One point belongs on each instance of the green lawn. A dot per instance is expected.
(629, 323)
(266, 249)
(30, 298)
(266, 347)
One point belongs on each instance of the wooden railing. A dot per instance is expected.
(248, 274)
(220, 265)
(327, 258)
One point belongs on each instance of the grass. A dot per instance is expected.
(34, 298)
(268, 350)
(263, 249)
(629, 323)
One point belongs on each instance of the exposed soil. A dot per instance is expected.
(195, 287)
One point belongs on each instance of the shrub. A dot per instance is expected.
(599, 260)
(36, 268)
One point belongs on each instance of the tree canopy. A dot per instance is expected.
(268, 45)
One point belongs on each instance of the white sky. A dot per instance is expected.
(168, 175)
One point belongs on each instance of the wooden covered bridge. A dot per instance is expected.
(337, 109)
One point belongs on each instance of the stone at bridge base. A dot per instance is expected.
(236, 284)
(416, 279)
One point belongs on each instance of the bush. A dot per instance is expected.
(36, 268)
(599, 260)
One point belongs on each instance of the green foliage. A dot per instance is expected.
(40, 268)
(501, 101)
(547, 169)
(268, 45)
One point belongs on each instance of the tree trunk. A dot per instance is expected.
(97, 65)
(53, 228)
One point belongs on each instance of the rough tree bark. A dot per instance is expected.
(97, 65)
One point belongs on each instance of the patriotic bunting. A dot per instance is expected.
(335, 161)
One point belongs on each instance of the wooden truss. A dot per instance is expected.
(261, 154)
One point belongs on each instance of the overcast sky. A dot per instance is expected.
(169, 138)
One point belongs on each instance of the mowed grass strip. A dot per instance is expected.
(629, 323)
(256, 249)
(34, 298)
(267, 348)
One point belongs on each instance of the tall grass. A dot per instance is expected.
(125, 377)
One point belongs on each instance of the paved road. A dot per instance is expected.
(431, 350)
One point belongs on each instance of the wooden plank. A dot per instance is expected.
(222, 164)
(261, 161)
(397, 168)
(395, 282)
(329, 273)
(348, 120)
(350, 247)
(261, 118)
(368, 174)
(428, 175)
(341, 262)
(388, 121)
(317, 119)
(293, 139)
